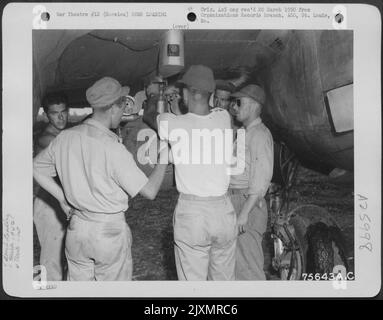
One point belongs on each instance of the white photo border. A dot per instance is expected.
(18, 21)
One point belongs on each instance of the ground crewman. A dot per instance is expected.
(98, 176)
(247, 190)
(204, 219)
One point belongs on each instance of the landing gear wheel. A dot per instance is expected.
(322, 240)
(289, 259)
(294, 270)
(325, 250)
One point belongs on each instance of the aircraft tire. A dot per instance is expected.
(320, 238)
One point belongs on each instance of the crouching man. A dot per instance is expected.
(248, 189)
(98, 176)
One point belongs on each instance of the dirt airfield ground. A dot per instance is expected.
(151, 223)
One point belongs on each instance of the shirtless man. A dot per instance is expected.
(49, 219)
(55, 107)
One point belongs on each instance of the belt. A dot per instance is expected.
(184, 196)
(231, 191)
(237, 191)
(99, 217)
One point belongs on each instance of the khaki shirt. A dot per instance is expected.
(97, 173)
(259, 160)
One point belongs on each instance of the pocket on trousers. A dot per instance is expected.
(112, 229)
(225, 221)
(190, 228)
(236, 201)
(258, 219)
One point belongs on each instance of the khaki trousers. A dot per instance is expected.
(98, 247)
(205, 238)
(249, 253)
(50, 222)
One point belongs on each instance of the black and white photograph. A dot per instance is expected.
(196, 150)
(111, 215)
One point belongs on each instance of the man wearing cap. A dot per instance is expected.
(98, 175)
(222, 99)
(48, 217)
(204, 219)
(248, 189)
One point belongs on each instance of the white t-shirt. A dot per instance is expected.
(201, 148)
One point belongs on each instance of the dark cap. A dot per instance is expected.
(251, 91)
(224, 85)
(199, 77)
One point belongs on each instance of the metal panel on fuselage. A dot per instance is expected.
(310, 64)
